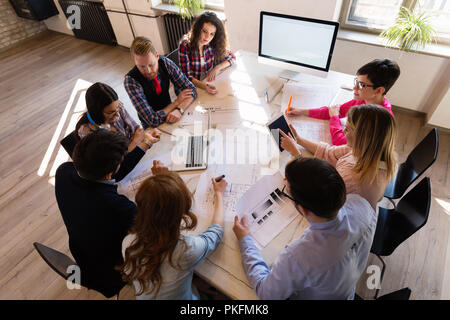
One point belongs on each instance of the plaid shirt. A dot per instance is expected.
(191, 65)
(150, 117)
(124, 124)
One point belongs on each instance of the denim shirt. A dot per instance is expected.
(325, 262)
(177, 284)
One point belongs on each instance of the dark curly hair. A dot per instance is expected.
(220, 40)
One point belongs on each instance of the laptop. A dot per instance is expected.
(193, 151)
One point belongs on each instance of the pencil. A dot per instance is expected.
(289, 105)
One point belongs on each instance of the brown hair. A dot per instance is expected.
(220, 40)
(142, 46)
(164, 203)
(374, 132)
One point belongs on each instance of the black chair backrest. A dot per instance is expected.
(58, 261)
(69, 142)
(402, 294)
(396, 225)
(174, 57)
(418, 161)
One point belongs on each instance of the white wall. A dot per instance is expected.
(419, 73)
(243, 17)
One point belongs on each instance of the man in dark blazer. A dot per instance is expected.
(97, 218)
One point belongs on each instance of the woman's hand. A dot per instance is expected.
(159, 167)
(219, 187)
(293, 112)
(212, 74)
(211, 89)
(288, 143)
(138, 135)
(334, 110)
(153, 135)
(294, 132)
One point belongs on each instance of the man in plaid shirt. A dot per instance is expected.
(147, 85)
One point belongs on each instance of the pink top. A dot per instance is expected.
(341, 157)
(337, 135)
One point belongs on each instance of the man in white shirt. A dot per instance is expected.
(325, 262)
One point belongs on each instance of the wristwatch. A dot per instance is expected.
(180, 109)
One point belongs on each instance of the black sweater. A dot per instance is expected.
(97, 219)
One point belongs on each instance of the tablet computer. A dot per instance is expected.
(279, 123)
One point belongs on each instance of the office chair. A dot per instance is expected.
(58, 261)
(402, 294)
(396, 225)
(419, 160)
(70, 141)
(174, 57)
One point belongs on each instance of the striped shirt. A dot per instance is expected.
(148, 116)
(191, 64)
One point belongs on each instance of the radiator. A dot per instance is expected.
(94, 21)
(176, 27)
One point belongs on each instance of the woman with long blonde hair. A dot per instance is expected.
(367, 163)
(158, 258)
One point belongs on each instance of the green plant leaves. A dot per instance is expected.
(411, 29)
(189, 8)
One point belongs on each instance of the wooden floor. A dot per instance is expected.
(37, 80)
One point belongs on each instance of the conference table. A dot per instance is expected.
(249, 95)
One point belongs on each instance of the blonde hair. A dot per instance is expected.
(374, 140)
(142, 46)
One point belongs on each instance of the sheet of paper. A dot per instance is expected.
(306, 96)
(239, 177)
(266, 210)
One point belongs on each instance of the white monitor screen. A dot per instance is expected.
(301, 41)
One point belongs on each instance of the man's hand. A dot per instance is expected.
(240, 229)
(185, 94)
(334, 110)
(159, 167)
(173, 116)
(288, 143)
(293, 112)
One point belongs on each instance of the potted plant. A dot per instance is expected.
(189, 8)
(411, 29)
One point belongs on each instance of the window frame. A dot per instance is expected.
(345, 12)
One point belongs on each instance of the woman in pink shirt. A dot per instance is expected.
(367, 162)
(372, 82)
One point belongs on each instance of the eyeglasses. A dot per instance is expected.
(361, 85)
(286, 195)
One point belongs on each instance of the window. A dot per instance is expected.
(376, 15)
(209, 4)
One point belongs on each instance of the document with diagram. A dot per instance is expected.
(266, 210)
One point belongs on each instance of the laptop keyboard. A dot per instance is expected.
(194, 156)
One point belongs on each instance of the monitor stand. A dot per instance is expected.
(291, 75)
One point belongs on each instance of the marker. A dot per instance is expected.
(289, 105)
(219, 178)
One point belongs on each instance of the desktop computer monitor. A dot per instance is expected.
(297, 44)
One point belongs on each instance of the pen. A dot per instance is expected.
(219, 178)
(289, 105)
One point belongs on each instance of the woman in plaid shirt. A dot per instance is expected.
(204, 51)
(106, 111)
